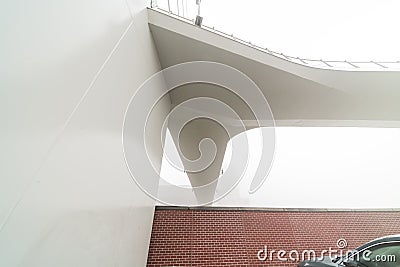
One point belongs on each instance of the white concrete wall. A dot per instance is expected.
(67, 72)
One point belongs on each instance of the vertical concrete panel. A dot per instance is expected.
(67, 198)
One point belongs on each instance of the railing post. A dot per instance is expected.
(326, 63)
(380, 65)
(199, 19)
(304, 62)
(351, 64)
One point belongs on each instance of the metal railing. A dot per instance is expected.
(179, 10)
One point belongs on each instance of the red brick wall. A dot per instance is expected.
(193, 237)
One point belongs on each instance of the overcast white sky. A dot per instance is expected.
(319, 167)
(328, 29)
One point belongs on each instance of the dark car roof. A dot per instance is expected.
(390, 238)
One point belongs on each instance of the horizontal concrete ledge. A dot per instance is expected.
(275, 209)
(338, 123)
